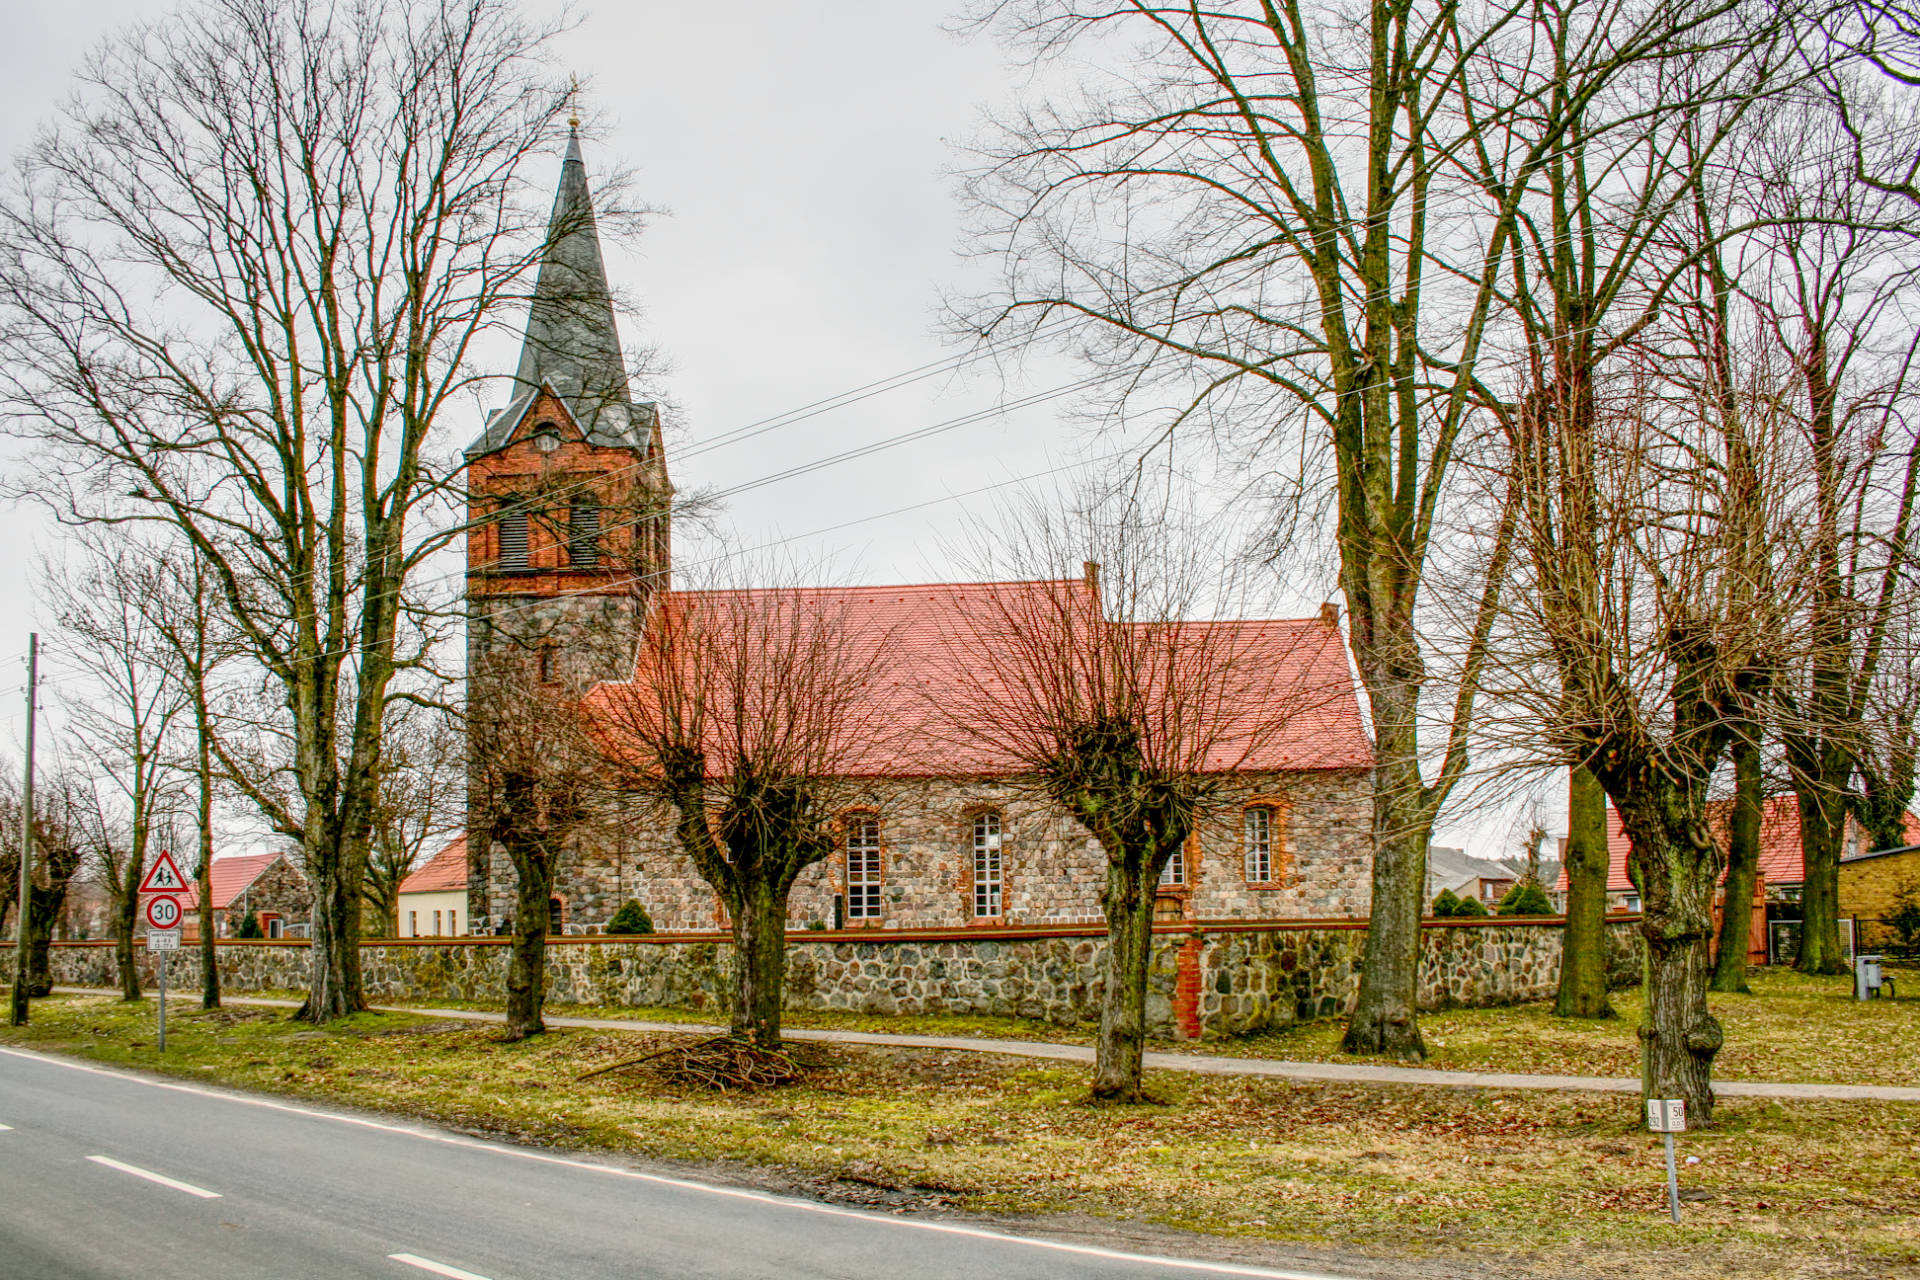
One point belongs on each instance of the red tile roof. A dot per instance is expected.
(932, 635)
(1780, 858)
(231, 878)
(446, 870)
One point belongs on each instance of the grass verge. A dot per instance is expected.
(1553, 1184)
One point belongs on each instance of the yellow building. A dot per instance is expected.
(1871, 886)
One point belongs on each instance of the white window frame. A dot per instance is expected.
(436, 923)
(864, 866)
(1174, 874)
(989, 865)
(413, 924)
(1257, 835)
(453, 922)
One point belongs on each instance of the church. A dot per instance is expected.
(570, 540)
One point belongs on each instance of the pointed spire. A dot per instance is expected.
(572, 343)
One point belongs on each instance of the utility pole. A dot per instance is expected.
(21, 961)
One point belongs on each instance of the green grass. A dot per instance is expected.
(1564, 1183)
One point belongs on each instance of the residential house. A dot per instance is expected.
(268, 884)
(433, 900)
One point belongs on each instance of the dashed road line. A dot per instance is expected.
(160, 1178)
(437, 1268)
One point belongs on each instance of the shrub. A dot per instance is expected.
(1447, 904)
(1470, 907)
(1526, 899)
(250, 926)
(630, 918)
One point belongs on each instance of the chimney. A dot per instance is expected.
(1330, 613)
(1090, 574)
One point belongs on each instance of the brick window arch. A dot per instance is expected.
(865, 867)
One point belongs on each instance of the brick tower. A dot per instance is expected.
(568, 506)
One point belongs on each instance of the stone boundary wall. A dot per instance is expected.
(1212, 981)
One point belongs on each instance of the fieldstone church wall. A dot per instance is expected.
(1052, 870)
(1205, 982)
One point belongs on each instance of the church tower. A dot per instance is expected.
(569, 531)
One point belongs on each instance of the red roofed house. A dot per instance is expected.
(947, 841)
(267, 884)
(1782, 868)
(433, 900)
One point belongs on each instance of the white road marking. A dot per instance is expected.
(6, 1128)
(160, 1178)
(438, 1268)
(727, 1193)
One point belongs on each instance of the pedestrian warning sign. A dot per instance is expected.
(164, 876)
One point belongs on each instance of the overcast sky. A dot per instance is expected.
(801, 148)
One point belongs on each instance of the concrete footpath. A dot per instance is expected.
(1201, 1064)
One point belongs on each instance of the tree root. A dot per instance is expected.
(722, 1064)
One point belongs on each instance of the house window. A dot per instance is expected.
(1259, 844)
(546, 664)
(413, 924)
(436, 924)
(1175, 872)
(513, 540)
(583, 534)
(863, 868)
(274, 929)
(453, 923)
(987, 882)
(556, 916)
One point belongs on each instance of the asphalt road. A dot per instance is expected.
(106, 1175)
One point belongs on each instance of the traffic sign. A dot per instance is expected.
(163, 913)
(1667, 1115)
(164, 876)
(163, 940)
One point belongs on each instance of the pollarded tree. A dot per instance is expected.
(1110, 694)
(742, 723)
(242, 277)
(1652, 527)
(535, 787)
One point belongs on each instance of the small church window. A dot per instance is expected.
(583, 534)
(863, 868)
(1259, 844)
(513, 540)
(987, 868)
(1175, 872)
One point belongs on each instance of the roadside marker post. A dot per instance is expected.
(1666, 1117)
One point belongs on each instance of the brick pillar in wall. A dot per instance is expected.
(1186, 988)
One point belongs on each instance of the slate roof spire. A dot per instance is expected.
(571, 342)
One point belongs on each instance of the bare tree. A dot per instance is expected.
(742, 722)
(1652, 528)
(1111, 696)
(1264, 217)
(422, 802)
(535, 786)
(243, 275)
(131, 704)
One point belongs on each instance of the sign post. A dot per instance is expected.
(1666, 1117)
(165, 883)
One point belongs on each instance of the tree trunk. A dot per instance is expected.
(334, 989)
(47, 904)
(126, 913)
(1743, 868)
(1583, 955)
(1128, 903)
(1680, 1036)
(759, 962)
(1822, 817)
(209, 955)
(527, 967)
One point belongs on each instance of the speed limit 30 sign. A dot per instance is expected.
(163, 913)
